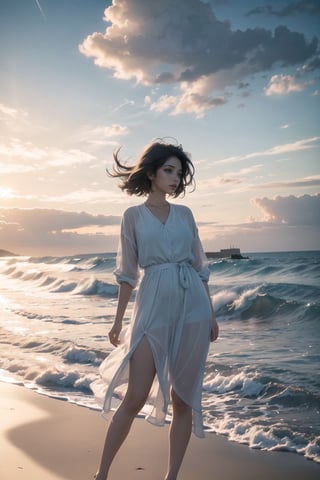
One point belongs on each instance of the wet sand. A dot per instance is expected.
(42, 438)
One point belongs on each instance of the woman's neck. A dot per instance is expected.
(156, 200)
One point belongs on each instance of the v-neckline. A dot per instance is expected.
(157, 218)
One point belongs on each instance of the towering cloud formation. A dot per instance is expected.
(184, 43)
(292, 210)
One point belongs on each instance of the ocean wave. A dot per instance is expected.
(264, 301)
(312, 313)
(83, 356)
(246, 303)
(271, 438)
(33, 315)
(99, 264)
(96, 287)
(9, 271)
(75, 374)
(293, 397)
(67, 350)
(17, 273)
(32, 276)
(48, 280)
(262, 411)
(67, 380)
(63, 284)
(247, 383)
(269, 268)
(65, 287)
(240, 383)
(266, 270)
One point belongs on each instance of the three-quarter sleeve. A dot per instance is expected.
(127, 256)
(200, 261)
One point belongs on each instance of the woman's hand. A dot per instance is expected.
(124, 294)
(115, 333)
(214, 330)
(214, 333)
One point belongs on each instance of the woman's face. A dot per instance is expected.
(167, 177)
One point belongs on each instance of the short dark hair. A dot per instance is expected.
(136, 178)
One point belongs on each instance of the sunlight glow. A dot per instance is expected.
(6, 193)
(3, 300)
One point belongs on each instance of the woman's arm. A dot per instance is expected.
(126, 271)
(214, 327)
(200, 264)
(124, 295)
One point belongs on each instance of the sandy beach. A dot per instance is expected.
(49, 439)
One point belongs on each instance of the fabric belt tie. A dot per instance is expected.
(184, 271)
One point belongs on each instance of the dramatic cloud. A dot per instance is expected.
(309, 66)
(145, 36)
(188, 102)
(35, 231)
(164, 103)
(283, 84)
(291, 210)
(183, 42)
(309, 7)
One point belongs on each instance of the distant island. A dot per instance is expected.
(6, 253)
(233, 253)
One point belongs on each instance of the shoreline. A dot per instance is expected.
(45, 438)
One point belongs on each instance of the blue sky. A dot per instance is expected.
(236, 83)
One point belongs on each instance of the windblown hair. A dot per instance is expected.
(136, 178)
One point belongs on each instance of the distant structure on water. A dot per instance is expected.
(231, 252)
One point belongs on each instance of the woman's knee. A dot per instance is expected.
(134, 401)
(179, 406)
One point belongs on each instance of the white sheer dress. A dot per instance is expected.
(171, 310)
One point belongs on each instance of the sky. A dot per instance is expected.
(237, 84)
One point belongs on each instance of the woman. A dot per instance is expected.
(163, 355)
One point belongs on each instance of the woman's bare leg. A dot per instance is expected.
(180, 432)
(141, 375)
